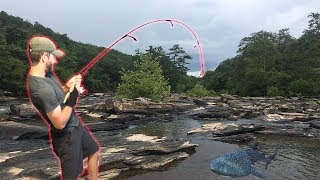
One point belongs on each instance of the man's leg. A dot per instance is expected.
(93, 163)
(68, 149)
(91, 150)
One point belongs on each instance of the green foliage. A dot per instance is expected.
(199, 91)
(12, 74)
(302, 87)
(266, 64)
(146, 80)
(14, 34)
(271, 64)
(104, 76)
(173, 65)
(273, 91)
(179, 57)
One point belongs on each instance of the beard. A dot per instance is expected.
(49, 66)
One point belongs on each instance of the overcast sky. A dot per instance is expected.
(219, 24)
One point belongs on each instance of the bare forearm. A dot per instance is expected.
(66, 113)
(60, 116)
(65, 89)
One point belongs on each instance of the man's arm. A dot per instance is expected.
(59, 117)
(65, 89)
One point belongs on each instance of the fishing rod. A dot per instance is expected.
(105, 51)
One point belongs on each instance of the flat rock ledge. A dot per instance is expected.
(32, 157)
(239, 133)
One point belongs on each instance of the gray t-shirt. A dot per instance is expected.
(46, 94)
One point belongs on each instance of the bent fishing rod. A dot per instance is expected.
(105, 51)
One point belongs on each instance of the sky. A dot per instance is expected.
(219, 24)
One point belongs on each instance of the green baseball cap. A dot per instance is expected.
(44, 44)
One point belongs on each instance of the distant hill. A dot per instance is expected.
(104, 76)
(272, 64)
(14, 34)
(266, 64)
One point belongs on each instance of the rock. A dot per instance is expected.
(97, 94)
(287, 108)
(285, 132)
(154, 162)
(10, 129)
(315, 124)
(226, 97)
(27, 111)
(107, 126)
(143, 100)
(283, 116)
(113, 105)
(239, 138)
(31, 159)
(199, 102)
(138, 111)
(141, 152)
(112, 173)
(270, 110)
(33, 135)
(212, 127)
(227, 129)
(251, 114)
(168, 146)
(122, 119)
(214, 115)
(15, 110)
(241, 129)
(35, 173)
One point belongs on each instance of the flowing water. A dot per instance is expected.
(298, 158)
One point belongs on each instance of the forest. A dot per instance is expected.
(266, 63)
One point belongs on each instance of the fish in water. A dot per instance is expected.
(240, 163)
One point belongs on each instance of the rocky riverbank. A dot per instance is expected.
(237, 119)
(25, 150)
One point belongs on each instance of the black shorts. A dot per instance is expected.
(72, 146)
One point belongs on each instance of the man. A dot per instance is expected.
(71, 141)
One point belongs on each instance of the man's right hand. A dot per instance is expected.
(75, 81)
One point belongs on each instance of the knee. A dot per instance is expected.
(95, 155)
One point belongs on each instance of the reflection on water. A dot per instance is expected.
(298, 158)
(176, 128)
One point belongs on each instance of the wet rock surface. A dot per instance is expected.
(25, 149)
(27, 152)
(237, 119)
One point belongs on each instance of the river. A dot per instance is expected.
(298, 158)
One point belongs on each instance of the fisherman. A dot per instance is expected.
(71, 140)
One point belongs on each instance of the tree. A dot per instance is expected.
(314, 23)
(198, 91)
(146, 80)
(179, 57)
(173, 65)
(14, 33)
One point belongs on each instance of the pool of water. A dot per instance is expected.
(176, 128)
(298, 158)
